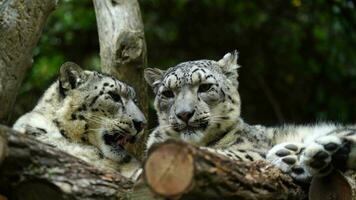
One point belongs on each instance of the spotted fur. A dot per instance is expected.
(88, 114)
(199, 102)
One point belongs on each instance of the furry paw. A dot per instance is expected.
(286, 156)
(317, 156)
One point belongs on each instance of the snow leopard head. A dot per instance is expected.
(97, 109)
(197, 101)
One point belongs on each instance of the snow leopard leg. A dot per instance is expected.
(236, 154)
(317, 157)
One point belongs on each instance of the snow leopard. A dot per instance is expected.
(89, 115)
(198, 102)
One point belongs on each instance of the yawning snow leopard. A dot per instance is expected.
(198, 101)
(89, 115)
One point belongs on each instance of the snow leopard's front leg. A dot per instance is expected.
(317, 156)
(236, 154)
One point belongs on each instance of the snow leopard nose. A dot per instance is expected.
(185, 115)
(139, 125)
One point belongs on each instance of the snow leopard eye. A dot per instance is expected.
(115, 97)
(168, 94)
(205, 87)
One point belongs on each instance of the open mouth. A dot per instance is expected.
(118, 140)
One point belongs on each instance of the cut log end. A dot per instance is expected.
(170, 170)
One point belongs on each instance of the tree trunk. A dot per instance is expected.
(123, 48)
(181, 171)
(21, 24)
(34, 170)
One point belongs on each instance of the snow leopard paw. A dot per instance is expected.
(318, 155)
(286, 156)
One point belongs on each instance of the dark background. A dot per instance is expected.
(298, 57)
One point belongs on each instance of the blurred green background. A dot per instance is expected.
(298, 57)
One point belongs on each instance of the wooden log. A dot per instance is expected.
(34, 170)
(3, 149)
(21, 24)
(335, 186)
(177, 170)
(123, 49)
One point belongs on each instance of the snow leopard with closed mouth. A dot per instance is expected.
(198, 102)
(89, 115)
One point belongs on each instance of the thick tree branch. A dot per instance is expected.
(178, 170)
(34, 170)
(21, 24)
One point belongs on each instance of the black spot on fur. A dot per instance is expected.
(82, 108)
(73, 117)
(81, 117)
(229, 97)
(56, 122)
(195, 70)
(101, 155)
(248, 157)
(94, 100)
(106, 84)
(126, 159)
(239, 141)
(63, 133)
(84, 138)
(86, 127)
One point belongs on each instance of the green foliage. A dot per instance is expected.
(297, 57)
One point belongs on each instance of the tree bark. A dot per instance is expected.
(21, 24)
(181, 171)
(123, 48)
(34, 170)
(122, 43)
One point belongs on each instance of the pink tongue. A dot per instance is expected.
(122, 141)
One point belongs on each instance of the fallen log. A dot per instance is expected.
(177, 170)
(34, 170)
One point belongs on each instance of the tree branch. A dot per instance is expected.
(21, 24)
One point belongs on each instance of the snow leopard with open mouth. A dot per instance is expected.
(89, 115)
(198, 102)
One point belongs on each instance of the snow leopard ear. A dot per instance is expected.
(153, 76)
(70, 76)
(229, 65)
